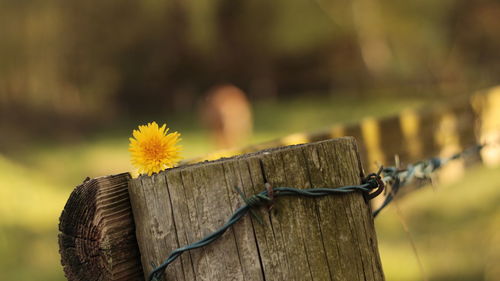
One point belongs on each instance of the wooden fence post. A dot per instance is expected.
(327, 238)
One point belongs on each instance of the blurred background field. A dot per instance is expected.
(77, 77)
(455, 227)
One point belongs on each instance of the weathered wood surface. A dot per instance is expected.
(329, 238)
(96, 238)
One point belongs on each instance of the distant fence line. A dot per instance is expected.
(412, 135)
(441, 129)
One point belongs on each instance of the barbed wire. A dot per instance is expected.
(372, 186)
(421, 171)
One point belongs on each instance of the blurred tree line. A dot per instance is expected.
(92, 60)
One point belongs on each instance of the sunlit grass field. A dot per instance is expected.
(454, 227)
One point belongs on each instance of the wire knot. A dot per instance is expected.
(255, 201)
(374, 182)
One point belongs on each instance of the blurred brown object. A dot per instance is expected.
(487, 104)
(226, 113)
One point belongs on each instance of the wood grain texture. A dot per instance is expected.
(96, 238)
(329, 238)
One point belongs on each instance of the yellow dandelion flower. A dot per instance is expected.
(153, 149)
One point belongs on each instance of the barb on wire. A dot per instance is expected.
(420, 171)
(371, 187)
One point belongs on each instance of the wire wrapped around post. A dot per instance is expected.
(371, 187)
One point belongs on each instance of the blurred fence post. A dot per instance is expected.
(487, 104)
(327, 238)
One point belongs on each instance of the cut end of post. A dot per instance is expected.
(96, 232)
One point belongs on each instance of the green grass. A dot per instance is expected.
(455, 232)
(30, 205)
